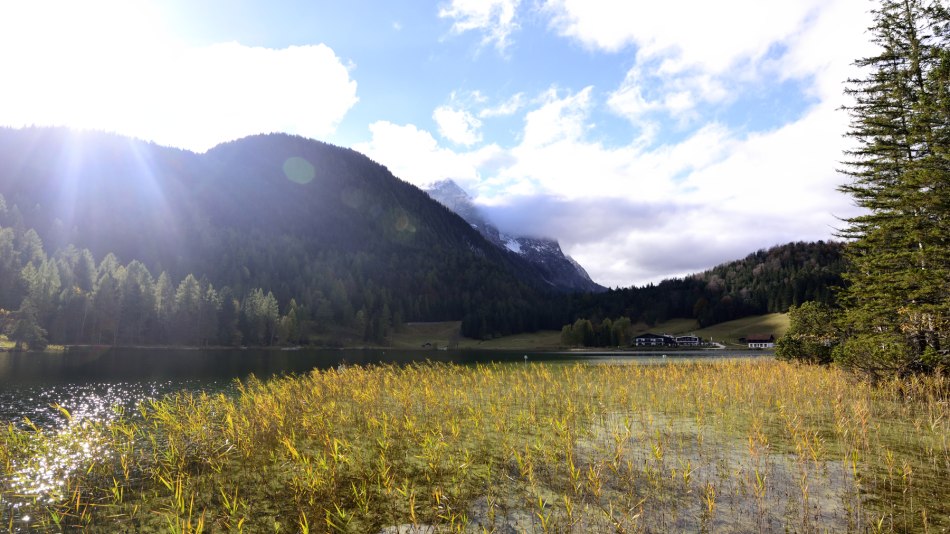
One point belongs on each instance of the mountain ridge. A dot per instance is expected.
(306, 220)
(560, 270)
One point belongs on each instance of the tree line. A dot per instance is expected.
(69, 298)
(766, 281)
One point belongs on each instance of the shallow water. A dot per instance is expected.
(91, 383)
(61, 392)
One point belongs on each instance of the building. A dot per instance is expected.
(759, 341)
(653, 340)
(688, 341)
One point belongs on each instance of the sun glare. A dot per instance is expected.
(79, 60)
(115, 66)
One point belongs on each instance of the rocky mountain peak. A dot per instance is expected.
(561, 271)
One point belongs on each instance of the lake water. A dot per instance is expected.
(92, 383)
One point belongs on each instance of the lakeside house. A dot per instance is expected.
(665, 340)
(688, 341)
(653, 340)
(759, 341)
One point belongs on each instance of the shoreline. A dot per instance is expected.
(593, 351)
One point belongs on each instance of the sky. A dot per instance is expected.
(652, 139)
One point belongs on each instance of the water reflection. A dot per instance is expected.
(100, 401)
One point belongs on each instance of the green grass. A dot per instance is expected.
(542, 340)
(415, 335)
(733, 445)
(441, 334)
(730, 332)
(444, 334)
(672, 327)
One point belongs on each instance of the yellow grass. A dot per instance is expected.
(734, 445)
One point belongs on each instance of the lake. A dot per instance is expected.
(93, 382)
(750, 445)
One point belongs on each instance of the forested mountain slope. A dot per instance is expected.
(765, 281)
(305, 220)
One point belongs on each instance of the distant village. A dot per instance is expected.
(757, 341)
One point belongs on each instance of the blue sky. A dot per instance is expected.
(652, 139)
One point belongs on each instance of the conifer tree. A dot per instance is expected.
(26, 328)
(897, 306)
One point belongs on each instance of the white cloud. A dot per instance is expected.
(108, 65)
(416, 157)
(711, 36)
(507, 108)
(457, 125)
(708, 52)
(558, 118)
(631, 214)
(494, 18)
(628, 100)
(713, 197)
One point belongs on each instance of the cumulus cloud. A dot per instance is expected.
(415, 156)
(714, 196)
(457, 125)
(108, 65)
(557, 119)
(495, 19)
(709, 54)
(506, 108)
(710, 36)
(633, 214)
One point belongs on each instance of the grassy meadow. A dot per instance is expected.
(751, 445)
(730, 331)
(444, 334)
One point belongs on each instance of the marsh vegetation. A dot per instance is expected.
(735, 445)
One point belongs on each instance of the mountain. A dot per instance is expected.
(282, 239)
(321, 226)
(765, 281)
(558, 269)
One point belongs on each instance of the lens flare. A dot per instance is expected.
(299, 170)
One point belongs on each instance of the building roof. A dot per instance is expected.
(648, 335)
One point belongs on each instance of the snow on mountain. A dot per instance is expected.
(513, 246)
(561, 270)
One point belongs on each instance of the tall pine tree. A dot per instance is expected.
(897, 306)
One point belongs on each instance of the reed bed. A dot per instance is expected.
(735, 446)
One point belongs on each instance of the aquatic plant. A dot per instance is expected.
(745, 445)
